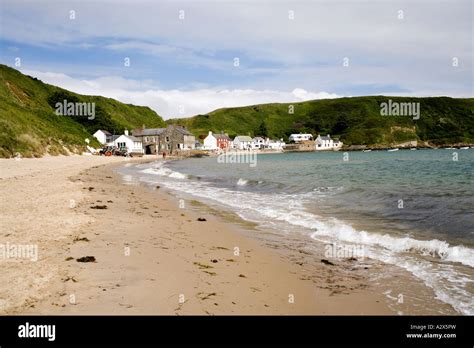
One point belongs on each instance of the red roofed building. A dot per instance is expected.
(223, 141)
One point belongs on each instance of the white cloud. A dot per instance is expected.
(259, 29)
(156, 49)
(175, 103)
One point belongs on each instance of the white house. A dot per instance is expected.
(297, 138)
(210, 142)
(275, 144)
(258, 143)
(102, 136)
(130, 143)
(324, 143)
(242, 142)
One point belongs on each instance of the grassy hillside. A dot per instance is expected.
(31, 127)
(354, 120)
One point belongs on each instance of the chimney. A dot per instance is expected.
(125, 132)
(210, 132)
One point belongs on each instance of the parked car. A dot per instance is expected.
(120, 152)
(113, 151)
(107, 151)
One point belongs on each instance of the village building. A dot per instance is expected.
(104, 136)
(129, 143)
(179, 138)
(171, 139)
(150, 138)
(306, 145)
(258, 143)
(217, 141)
(325, 143)
(223, 141)
(298, 138)
(274, 144)
(210, 142)
(242, 142)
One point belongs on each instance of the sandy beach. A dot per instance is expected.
(147, 255)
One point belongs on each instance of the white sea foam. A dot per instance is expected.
(163, 171)
(178, 175)
(242, 182)
(289, 208)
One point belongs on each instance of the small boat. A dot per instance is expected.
(413, 149)
(464, 147)
(449, 148)
(366, 150)
(391, 150)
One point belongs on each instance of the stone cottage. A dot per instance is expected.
(171, 139)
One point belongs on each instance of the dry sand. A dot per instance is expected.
(151, 257)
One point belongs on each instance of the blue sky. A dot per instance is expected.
(184, 66)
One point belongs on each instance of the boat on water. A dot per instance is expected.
(391, 150)
(464, 147)
(413, 149)
(449, 148)
(366, 150)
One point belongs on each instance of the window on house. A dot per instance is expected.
(168, 146)
(167, 139)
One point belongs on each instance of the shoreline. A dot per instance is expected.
(306, 252)
(357, 148)
(175, 264)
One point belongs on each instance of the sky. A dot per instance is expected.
(183, 58)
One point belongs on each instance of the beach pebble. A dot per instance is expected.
(326, 262)
(86, 259)
(99, 207)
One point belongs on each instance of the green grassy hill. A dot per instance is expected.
(31, 127)
(355, 120)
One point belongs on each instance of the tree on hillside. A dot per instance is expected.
(61, 96)
(262, 130)
(340, 126)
